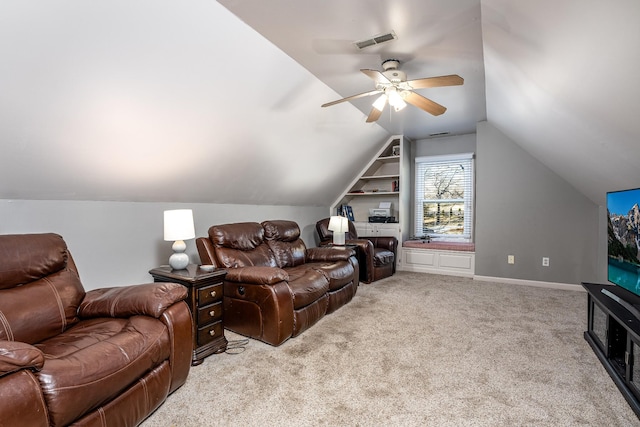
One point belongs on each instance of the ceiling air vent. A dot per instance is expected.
(439, 134)
(380, 38)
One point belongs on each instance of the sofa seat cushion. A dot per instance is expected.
(382, 257)
(307, 285)
(339, 272)
(95, 360)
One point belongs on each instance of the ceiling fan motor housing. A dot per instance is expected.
(392, 72)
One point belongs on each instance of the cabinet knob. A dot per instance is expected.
(212, 313)
(212, 293)
(212, 332)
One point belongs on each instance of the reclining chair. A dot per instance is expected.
(376, 255)
(106, 357)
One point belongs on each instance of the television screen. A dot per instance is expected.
(623, 231)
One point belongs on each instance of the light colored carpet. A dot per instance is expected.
(415, 350)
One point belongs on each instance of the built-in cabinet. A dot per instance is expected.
(448, 262)
(385, 179)
(373, 229)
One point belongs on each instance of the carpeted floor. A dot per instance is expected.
(415, 350)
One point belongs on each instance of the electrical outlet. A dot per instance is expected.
(545, 261)
(511, 259)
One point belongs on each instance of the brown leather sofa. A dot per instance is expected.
(106, 357)
(376, 255)
(275, 287)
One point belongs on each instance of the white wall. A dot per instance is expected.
(117, 243)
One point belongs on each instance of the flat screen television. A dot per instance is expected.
(623, 245)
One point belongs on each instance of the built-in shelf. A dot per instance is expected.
(388, 159)
(374, 193)
(381, 180)
(379, 177)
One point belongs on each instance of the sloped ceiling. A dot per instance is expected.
(183, 101)
(164, 101)
(562, 81)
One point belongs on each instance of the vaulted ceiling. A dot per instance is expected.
(219, 102)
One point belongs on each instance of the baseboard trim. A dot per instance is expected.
(536, 283)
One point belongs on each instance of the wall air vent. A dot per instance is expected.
(372, 41)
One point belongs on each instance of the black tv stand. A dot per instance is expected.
(622, 302)
(613, 332)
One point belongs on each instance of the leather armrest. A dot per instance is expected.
(16, 355)
(257, 275)
(206, 251)
(329, 253)
(363, 243)
(150, 299)
(385, 242)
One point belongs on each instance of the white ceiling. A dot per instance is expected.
(182, 101)
(435, 38)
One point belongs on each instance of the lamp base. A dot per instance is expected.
(338, 238)
(179, 260)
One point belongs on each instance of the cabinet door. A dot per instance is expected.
(633, 367)
(362, 228)
(598, 325)
(385, 230)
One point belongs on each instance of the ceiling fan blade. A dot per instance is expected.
(374, 115)
(377, 76)
(349, 98)
(377, 108)
(424, 103)
(451, 80)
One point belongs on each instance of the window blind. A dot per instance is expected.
(444, 196)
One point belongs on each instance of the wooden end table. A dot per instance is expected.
(205, 303)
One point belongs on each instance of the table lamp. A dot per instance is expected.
(339, 225)
(178, 226)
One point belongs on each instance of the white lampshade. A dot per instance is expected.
(178, 226)
(396, 100)
(339, 225)
(380, 102)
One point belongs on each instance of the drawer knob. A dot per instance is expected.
(212, 332)
(212, 313)
(212, 293)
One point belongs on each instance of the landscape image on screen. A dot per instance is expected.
(623, 230)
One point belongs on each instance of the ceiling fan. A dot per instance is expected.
(395, 89)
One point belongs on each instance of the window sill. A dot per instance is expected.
(444, 246)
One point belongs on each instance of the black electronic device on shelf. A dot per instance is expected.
(382, 219)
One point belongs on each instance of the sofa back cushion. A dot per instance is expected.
(40, 290)
(241, 245)
(283, 238)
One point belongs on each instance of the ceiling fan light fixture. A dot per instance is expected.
(395, 99)
(399, 106)
(379, 103)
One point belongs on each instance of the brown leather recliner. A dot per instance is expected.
(376, 255)
(276, 288)
(106, 357)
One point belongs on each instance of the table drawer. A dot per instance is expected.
(210, 313)
(209, 294)
(210, 332)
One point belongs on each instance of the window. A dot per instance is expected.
(444, 196)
